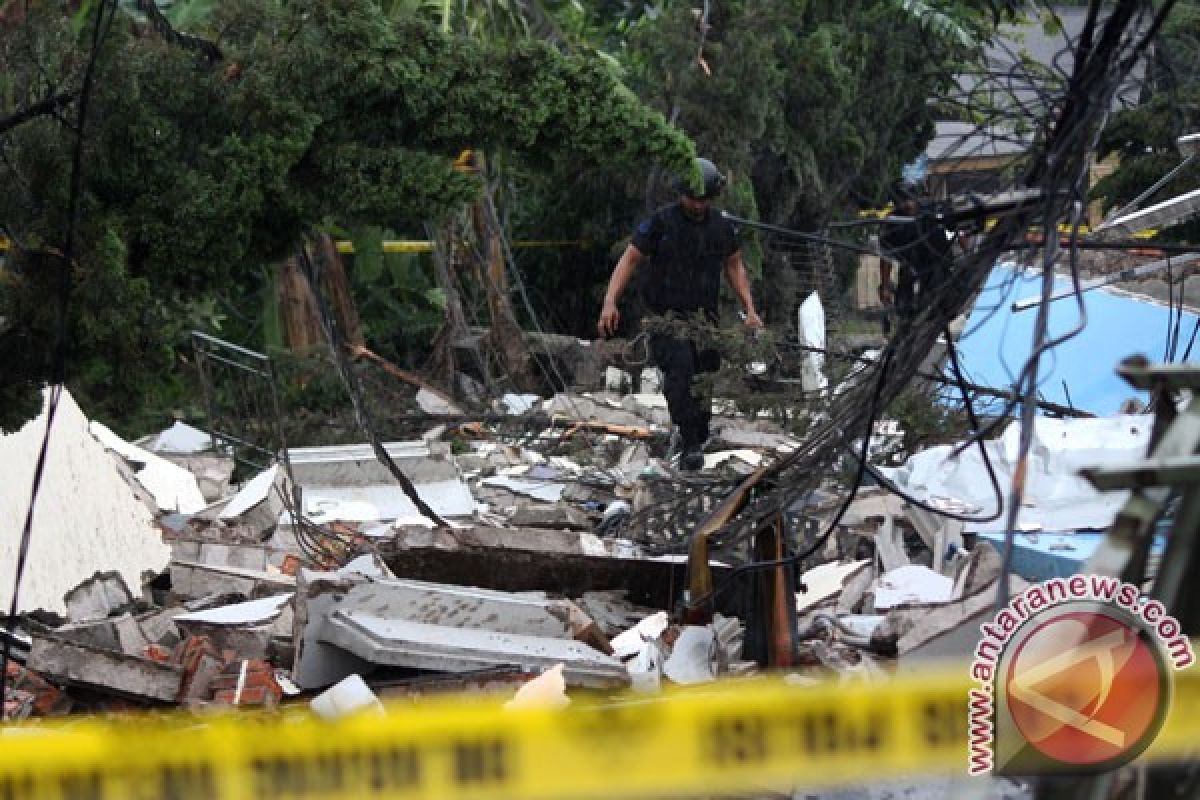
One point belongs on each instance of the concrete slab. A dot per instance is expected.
(356, 465)
(404, 643)
(568, 563)
(387, 501)
(105, 670)
(529, 614)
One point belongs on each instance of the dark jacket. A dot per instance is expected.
(686, 259)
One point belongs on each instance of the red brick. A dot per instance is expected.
(156, 652)
(197, 655)
(47, 698)
(252, 696)
(290, 565)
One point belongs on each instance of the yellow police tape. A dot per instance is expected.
(736, 736)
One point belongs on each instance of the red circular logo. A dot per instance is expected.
(1086, 688)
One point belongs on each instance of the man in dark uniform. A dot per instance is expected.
(687, 245)
(920, 249)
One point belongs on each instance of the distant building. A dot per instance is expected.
(1026, 71)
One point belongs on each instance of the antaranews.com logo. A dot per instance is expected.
(1074, 674)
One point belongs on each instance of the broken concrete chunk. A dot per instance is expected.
(172, 486)
(564, 562)
(190, 580)
(105, 670)
(121, 634)
(399, 642)
(223, 554)
(414, 624)
(89, 519)
(351, 695)
(854, 587)
(693, 657)
(99, 596)
(255, 493)
(435, 404)
(559, 517)
(342, 466)
(612, 610)
(315, 663)
(548, 690)
(546, 491)
(585, 409)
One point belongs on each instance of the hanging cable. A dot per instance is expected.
(100, 30)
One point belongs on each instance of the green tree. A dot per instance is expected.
(197, 174)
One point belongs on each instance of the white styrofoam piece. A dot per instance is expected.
(824, 581)
(713, 460)
(253, 612)
(181, 439)
(628, 643)
(913, 583)
(811, 331)
(519, 403)
(693, 658)
(253, 493)
(172, 486)
(1057, 498)
(88, 518)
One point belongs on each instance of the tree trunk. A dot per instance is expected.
(337, 289)
(297, 309)
(506, 338)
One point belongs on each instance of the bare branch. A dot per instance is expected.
(51, 105)
(185, 40)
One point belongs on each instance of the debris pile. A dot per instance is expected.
(165, 575)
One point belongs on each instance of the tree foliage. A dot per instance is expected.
(811, 108)
(196, 175)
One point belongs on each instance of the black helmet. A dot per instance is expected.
(714, 181)
(902, 192)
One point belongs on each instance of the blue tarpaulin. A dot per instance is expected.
(997, 341)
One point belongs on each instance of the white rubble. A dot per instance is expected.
(173, 487)
(548, 690)
(811, 329)
(180, 439)
(1057, 498)
(910, 584)
(349, 696)
(693, 657)
(88, 518)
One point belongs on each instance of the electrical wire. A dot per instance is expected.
(100, 33)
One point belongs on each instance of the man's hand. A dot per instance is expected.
(753, 321)
(610, 318)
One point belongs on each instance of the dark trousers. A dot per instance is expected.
(689, 403)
